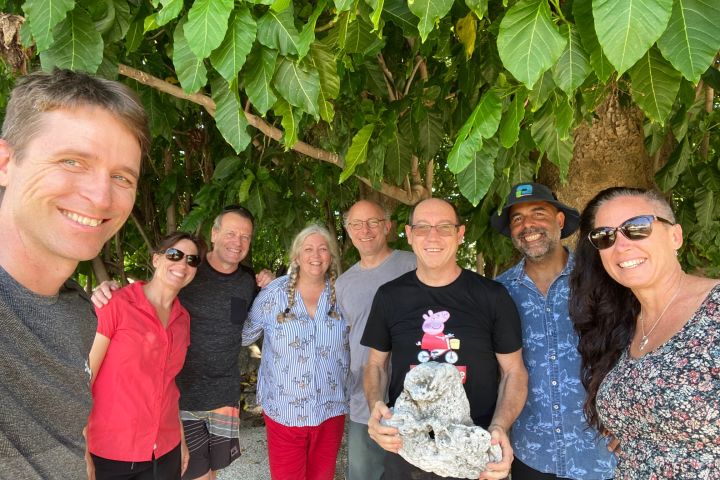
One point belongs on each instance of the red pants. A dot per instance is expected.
(304, 453)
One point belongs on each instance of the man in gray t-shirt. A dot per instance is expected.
(368, 226)
(70, 158)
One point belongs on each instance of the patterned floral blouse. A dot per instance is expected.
(302, 379)
(664, 407)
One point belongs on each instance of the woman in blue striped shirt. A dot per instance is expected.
(303, 372)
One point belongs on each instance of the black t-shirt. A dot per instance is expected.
(218, 304)
(466, 323)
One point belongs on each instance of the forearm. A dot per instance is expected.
(374, 384)
(512, 394)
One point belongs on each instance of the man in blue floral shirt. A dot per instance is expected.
(550, 438)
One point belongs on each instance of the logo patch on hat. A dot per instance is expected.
(523, 190)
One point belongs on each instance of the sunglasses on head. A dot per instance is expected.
(175, 255)
(635, 228)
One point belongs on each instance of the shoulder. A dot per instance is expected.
(276, 286)
(476, 280)
(403, 256)
(404, 280)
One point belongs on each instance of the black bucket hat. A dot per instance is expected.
(534, 192)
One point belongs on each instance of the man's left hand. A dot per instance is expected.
(501, 469)
(264, 277)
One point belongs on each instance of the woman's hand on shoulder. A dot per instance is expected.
(103, 293)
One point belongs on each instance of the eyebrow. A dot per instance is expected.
(74, 152)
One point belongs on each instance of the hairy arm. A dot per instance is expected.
(375, 385)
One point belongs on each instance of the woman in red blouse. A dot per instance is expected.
(134, 430)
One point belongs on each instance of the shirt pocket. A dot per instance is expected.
(238, 310)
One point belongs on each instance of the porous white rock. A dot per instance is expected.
(434, 401)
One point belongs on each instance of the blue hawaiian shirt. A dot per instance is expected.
(551, 434)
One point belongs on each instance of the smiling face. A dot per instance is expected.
(175, 275)
(638, 263)
(231, 242)
(74, 187)
(314, 258)
(368, 241)
(435, 252)
(535, 229)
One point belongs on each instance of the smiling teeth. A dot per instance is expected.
(631, 263)
(532, 237)
(89, 222)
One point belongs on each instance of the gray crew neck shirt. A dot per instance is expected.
(356, 289)
(44, 381)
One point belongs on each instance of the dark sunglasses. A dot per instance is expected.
(175, 255)
(635, 228)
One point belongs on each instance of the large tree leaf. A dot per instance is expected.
(277, 30)
(169, 12)
(190, 70)
(704, 206)
(627, 28)
(353, 34)
(377, 9)
(206, 25)
(324, 62)
(45, 15)
(397, 157)
(398, 13)
(429, 12)
(290, 120)
(307, 35)
(510, 122)
(357, 153)
(582, 11)
(550, 141)
(78, 46)
(528, 42)
(655, 84)
(463, 151)
(258, 73)
(343, 5)
(298, 84)
(475, 180)
(479, 7)
(430, 134)
(229, 115)
(668, 176)
(573, 66)
(229, 58)
(691, 39)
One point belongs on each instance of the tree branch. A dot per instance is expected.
(267, 129)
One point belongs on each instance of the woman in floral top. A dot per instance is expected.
(649, 339)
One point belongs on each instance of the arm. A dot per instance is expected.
(512, 394)
(375, 385)
(184, 452)
(253, 328)
(103, 293)
(264, 277)
(95, 359)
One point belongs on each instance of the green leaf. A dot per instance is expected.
(206, 25)
(229, 115)
(489, 111)
(307, 35)
(44, 15)
(475, 180)
(667, 177)
(354, 34)
(582, 11)
(573, 66)
(397, 157)
(190, 70)
(704, 206)
(463, 151)
(119, 22)
(78, 46)
(280, 5)
(550, 141)
(429, 12)
(290, 120)
(528, 42)
(344, 5)
(299, 85)
(627, 28)
(691, 39)
(157, 113)
(377, 10)
(229, 58)
(398, 13)
(431, 132)
(324, 62)
(171, 9)
(510, 122)
(357, 153)
(134, 36)
(655, 84)
(479, 7)
(258, 73)
(277, 30)
(226, 167)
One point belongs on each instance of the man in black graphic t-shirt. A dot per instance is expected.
(444, 313)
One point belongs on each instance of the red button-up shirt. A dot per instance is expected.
(135, 399)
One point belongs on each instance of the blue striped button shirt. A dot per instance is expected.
(551, 434)
(305, 362)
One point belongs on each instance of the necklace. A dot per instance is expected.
(644, 339)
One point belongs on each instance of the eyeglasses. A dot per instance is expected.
(443, 229)
(635, 228)
(175, 255)
(372, 223)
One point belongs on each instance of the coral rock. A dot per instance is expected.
(433, 417)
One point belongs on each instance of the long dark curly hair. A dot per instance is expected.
(603, 311)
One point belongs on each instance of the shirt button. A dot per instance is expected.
(554, 382)
(557, 430)
(547, 309)
(552, 357)
(556, 406)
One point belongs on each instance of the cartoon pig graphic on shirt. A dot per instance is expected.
(435, 342)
